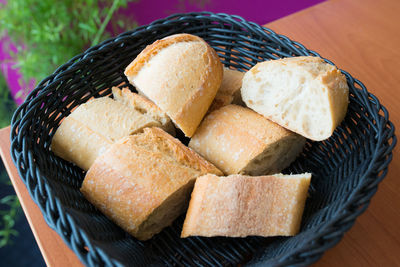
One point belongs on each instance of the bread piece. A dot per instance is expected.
(240, 206)
(303, 94)
(238, 140)
(144, 106)
(93, 126)
(229, 91)
(77, 143)
(180, 74)
(143, 182)
(111, 118)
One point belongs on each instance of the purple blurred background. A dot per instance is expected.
(259, 11)
(146, 11)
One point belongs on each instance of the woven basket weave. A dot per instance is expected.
(346, 168)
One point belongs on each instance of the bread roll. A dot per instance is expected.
(144, 106)
(229, 91)
(239, 140)
(143, 182)
(239, 206)
(303, 94)
(181, 74)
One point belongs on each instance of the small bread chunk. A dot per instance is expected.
(181, 74)
(93, 126)
(240, 206)
(77, 143)
(111, 118)
(229, 92)
(144, 106)
(303, 94)
(143, 182)
(238, 140)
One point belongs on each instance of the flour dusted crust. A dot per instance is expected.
(181, 74)
(143, 182)
(304, 94)
(238, 140)
(240, 206)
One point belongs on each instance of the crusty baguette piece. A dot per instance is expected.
(181, 74)
(93, 126)
(239, 206)
(143, 182)
(238, 140)
(111, 118)
(229, 91)
(144, 106)
(77, 143)
(304, 94)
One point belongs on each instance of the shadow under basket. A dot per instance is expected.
(346, 168)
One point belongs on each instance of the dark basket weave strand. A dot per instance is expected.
(346, 168)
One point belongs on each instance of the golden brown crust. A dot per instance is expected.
(172, 147)
(233, 137)
(136, 101)
(144, 106)
(239, 206)
(142, 182)
(182, 82)
(151, 50)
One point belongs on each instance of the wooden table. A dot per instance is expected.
(360, 36)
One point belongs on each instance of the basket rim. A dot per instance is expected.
(352, 208)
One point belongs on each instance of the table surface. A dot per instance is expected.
(359, 36)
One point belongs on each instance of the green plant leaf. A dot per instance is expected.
(54, 33)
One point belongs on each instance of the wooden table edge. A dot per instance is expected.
(32, 212)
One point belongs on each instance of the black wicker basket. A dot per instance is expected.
(346, 168)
